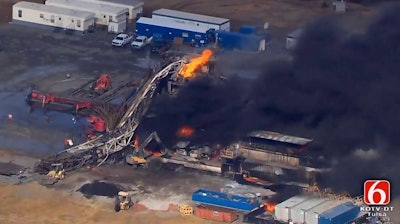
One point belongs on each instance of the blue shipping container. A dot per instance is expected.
(240, 41)
(341, 214)
(248, 29)
(224, 200)
(170, 30)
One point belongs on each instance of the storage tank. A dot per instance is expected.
(312, 215)
(297, 213)
(341, 214)
(282, 210)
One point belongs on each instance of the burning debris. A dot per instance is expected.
(185, 132)
(340, 90)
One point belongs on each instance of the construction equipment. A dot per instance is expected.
(123, 201)
(138, 157)
(102, 84)
(57, 171)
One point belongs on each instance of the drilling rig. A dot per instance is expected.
(99, 149)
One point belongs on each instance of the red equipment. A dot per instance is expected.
(102, 83)
(98, 124)
(34, 96)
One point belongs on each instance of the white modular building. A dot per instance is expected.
(193, 19)
(112, 16)
(135, 8)
(34, 13)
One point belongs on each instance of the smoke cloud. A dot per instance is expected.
(341, 89)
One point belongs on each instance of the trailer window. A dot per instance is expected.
(20, 13)
(41, 16)
(110, 19)
(52, 19)
(185, 34)
(78, 23)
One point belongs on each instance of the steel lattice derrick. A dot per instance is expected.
(119, 138)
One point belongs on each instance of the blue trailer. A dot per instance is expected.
(342, 214)
(225, 200)
(171, 30)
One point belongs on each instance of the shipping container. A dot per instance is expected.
(248, 29)
(297, 213)
(312, 215)
(341, 214)
(192, 19)
(170, 30)
(215, 213)
(240, 41)
(226, 200)
(282, 210)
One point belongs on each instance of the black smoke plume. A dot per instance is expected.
(341, 89)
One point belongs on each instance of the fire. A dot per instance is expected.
(270, 207)
(189, 69)
(185, 131)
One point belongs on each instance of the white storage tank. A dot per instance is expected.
(297, 213)
(312, 215)
(282, 210)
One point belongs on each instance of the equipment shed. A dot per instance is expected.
(170, 30)
(34, 13)
(104, 14)
(135, 8)
(192, 19)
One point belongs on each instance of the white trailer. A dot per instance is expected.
(135, 8)
(34, 13)
(193, 19)
(104, 14)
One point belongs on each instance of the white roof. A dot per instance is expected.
(293, 201)
(89, 6)
(54, 9)
(173, 25)
(133, 3)
(279, 137)
(190, 16)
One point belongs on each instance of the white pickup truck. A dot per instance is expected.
(140, 42)
(121, 40)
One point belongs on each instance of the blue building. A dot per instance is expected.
(170, 30)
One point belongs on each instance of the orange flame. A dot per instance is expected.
(188, 70)
(185, 131)
(270, 207)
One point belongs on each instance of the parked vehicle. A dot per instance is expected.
(159, 45)
(140, 42)
(121, 40)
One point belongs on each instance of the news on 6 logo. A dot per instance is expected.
(376, 192)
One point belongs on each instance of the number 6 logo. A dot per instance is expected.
(376, 192)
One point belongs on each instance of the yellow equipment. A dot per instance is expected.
(123, 201)
(57, 171)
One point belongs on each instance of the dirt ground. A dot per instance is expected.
(32, 204)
